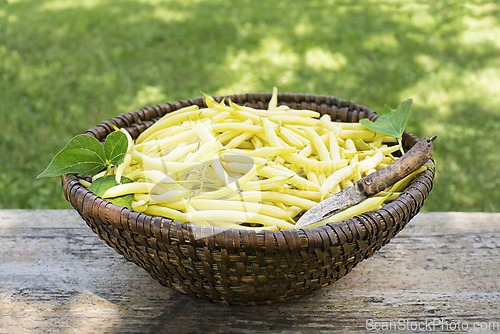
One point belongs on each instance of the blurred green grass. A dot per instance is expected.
(68, 65)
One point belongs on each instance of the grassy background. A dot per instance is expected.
(68, 65)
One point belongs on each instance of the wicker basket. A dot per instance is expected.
(239, 267)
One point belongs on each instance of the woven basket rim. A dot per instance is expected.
(161, 227)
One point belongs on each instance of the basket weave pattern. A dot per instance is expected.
(240, 267)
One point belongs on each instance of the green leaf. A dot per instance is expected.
(115, 146)
(125, 201)
(102, 184)
(392, 122)
(83, 154)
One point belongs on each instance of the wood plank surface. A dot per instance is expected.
(441, 273)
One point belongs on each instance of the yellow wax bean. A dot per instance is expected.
(222, 108)
(84, 183)
(334, 146)
(270, 133)
(178, 138)
(321, 178)
(210, 102)
(192, 112)
(121, 168)
(312, 176)
(221, 193)
(370, 171)
(388, 159)
(349, 145)
(166, 121)
(297, 137)
(232, 188)
(282, 207)
(326, 122)
(238, 216)
(318, 144)
(310, 195)
(282, 142)
(286, 111)
(280, 162)
(288, 139)
(294, 211)
(354, 160)
(227, 136)
(177, 205)
(157, 177)
(389, 196)
(237, 141)
(162, 211)
(219, 118)
(130, 141)
(268, 210)
(243, 115)
(168, 132)
(351, 126)
(239, 127)
(345, 184)
(334, 179)
(158, 164)
(296, 180)
(362, 154)
(368, 204)
(297, 129)
(282, 107)
(128, 158)
(180, 151)
(370, 162)
(274, 183)
(237, 167)
(377, 142)
(389, 139)
(236, 155)
(139, 206)
(346, 172)
(246, 145)
(403, 183)
(273, 103)
(257, 143)
(262, 137)
(306, 151)
(263, 152)
(169, 196)
(317, 166)
(131, 188)
(380, 166)
(365, 135)
(204, 133)
(297, 120)
(273, 196)
(207, 147)
(357, 173)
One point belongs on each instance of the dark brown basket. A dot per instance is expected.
(240, 267)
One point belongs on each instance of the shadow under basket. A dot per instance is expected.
(240, 267)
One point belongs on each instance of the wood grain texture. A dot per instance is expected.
(56, 276)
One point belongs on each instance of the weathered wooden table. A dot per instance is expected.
(440, 273)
